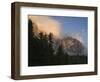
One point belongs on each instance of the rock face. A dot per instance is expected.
(72, 46)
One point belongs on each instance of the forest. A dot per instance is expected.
(43, 50)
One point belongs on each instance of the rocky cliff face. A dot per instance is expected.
(73, 46)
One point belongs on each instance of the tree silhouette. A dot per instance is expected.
(51, 50)
(60, 55)
(30, 42)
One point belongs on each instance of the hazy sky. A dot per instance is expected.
(74, 26)
(62, 26)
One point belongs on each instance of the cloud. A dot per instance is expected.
(77, 35)
(47, 24)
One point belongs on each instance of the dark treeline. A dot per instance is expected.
(41, 51)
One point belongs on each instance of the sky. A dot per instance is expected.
(62, 26)
(74, 26)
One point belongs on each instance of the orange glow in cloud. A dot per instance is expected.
(46, 24)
